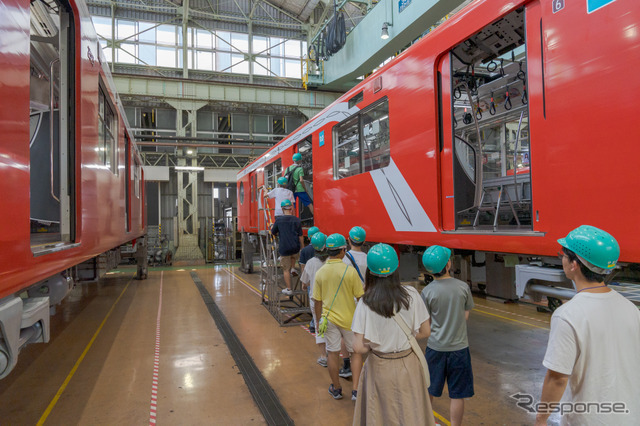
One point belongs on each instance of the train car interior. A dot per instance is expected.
(490, 117)
(51, 143)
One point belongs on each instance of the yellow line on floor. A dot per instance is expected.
(244, 281)
(438, 416)
(442, 419)
(79, 361)
(510, 313)
(509, 319)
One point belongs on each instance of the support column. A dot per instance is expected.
(188, 225)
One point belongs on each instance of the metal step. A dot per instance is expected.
(300, 310)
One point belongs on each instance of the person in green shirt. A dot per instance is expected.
(300, 192)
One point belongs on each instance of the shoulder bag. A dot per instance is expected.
(414, 345)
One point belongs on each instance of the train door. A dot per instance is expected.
(52, 139)
(305, 148)
(484, 122)
(256, 218)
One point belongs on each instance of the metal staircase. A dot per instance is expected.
(287, 310)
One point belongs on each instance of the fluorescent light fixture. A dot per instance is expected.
(189, 168)
(189, 152)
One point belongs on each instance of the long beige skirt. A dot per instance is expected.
(392, 391)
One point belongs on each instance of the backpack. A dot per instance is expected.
(291, 183)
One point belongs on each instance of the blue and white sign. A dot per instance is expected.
(402, 5)
(593, 5)
(557, 5)
(321, 138)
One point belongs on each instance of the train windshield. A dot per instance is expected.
(492, 181)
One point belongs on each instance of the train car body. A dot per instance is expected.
(70, 173)
(498, 132)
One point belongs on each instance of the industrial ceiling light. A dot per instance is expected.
(385, 30)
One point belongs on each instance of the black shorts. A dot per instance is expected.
(455, 368)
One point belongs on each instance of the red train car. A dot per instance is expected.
(70, 173)
(496, 134)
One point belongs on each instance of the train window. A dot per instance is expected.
(467, 157)
(375, 135)
(362, 142)
(490, 127)
(107, 132)
(356, 99)
(348, 148)
(241, 192)
(136, 178)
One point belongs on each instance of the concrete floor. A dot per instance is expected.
(98, 367)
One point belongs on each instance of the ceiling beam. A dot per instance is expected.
(172, 90)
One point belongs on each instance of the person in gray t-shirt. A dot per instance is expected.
(449, 302)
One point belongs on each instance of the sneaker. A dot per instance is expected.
(287, 292)
(354, 395)
(345, 373)
(335, 393)
(322, 361)
(294, 272)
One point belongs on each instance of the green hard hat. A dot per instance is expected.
(318, 240)
(282, 180)
(382, 260)
(435, 258)
(336, 241)
(286, 204)
(597, 249)
(297, 156)
(357, 234)
(312, 231)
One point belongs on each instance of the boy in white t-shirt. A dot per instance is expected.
(594, 340)
(280, 194)
(308, 280)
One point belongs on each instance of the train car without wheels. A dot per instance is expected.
(70, 173)
(496, 134)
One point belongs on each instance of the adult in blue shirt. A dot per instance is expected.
(289, 228)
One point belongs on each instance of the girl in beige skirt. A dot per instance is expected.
(393, 385)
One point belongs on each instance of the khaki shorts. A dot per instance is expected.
(289, 262)
(334, 334)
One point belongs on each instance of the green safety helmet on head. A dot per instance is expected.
(318, 241)
(297, 157)
(596, 249)
(357, 234)
(312, 231)
(336, 241)
(435, 258)
(286, 204)
(382, 260)
(282, 180)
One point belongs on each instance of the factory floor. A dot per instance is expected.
(194, 346)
